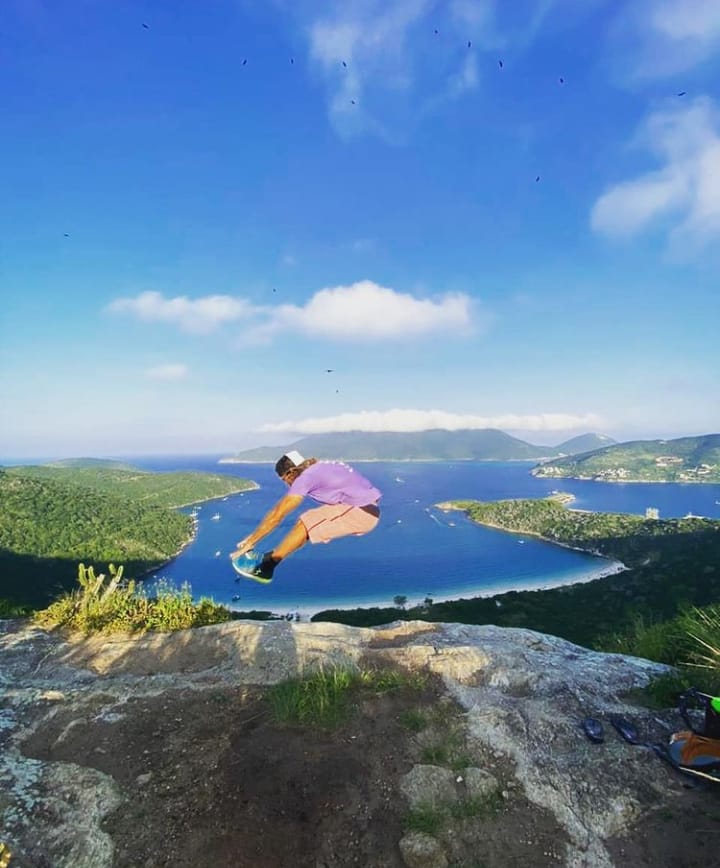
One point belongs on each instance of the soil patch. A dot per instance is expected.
(682, 837)
(210, 779)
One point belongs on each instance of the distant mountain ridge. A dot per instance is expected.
(685, 459)
(585, 443)
(488, 444)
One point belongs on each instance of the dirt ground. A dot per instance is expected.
(211, 780)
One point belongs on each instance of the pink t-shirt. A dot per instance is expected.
(335, 482)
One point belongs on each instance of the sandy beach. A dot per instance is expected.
(306, 609)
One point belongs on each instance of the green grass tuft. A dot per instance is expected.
(383, 680)
(414, 720)
(319, 700)
(424, 819)
(435, 754)
(324, 698)
(479, 806)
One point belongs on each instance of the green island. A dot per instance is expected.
(55, 517)
(671, 565)
(686, 459)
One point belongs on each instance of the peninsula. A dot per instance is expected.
(670, 564)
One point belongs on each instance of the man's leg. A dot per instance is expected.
(295, 539)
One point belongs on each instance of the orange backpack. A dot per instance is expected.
(697, 750)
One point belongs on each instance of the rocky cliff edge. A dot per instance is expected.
(159, 750)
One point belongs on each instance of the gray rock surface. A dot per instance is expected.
(523, 694)
(420, 850)
(429, 786)
(479, 783)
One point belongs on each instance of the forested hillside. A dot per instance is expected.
(52, 518)
(160, 489)
(46, 528)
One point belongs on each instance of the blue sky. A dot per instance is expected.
(512, 222)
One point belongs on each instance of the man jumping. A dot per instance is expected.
(349, 508)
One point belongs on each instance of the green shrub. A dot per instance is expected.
(117, 606)
(702, 628)
(662, 641)
(8, 609)
(690, 642)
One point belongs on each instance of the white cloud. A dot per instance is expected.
(425, 420)
(168, 372)
(363, 311)
(471, 12)
(467, 78)
(367, 311)
(685, 189)
(199, 316)
(668, 37)
(387, 46)
(363, 245)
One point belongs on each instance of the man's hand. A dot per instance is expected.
(283, 507)
(243, 546)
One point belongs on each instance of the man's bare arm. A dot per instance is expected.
(270, 521)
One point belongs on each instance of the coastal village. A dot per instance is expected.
(624, 474)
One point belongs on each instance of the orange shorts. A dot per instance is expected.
(332, 521)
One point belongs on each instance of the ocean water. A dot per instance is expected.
(417, 550)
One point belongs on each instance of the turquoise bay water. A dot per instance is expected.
(417, 550)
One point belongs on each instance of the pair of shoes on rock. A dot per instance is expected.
(256, 566)
(593, 729)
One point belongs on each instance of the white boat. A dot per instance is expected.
(216, 517)
(522, 542)
(217, 554)
(397, 479)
